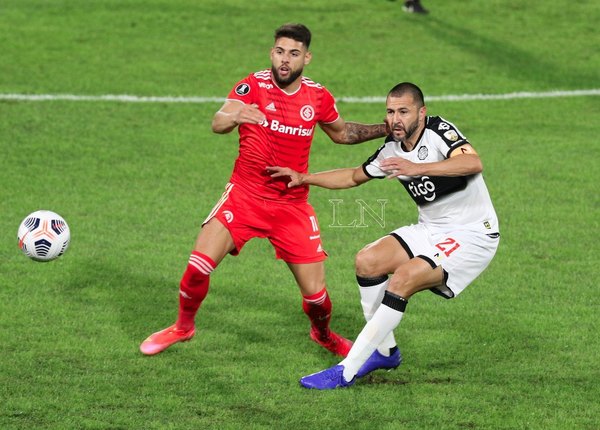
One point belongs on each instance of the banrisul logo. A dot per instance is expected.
(286, 129)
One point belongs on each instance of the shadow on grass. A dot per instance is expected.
(509, 60)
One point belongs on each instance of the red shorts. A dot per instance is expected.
(291, 227)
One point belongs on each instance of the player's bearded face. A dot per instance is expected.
(403, 117)
(403, 129)
(409, 129)
(287, 77)
(288, 58)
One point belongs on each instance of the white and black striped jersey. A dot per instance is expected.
(444, 202)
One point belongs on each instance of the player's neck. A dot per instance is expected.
(407, 145)
(410, 143)
(291, 88)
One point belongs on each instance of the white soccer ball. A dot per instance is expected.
(44, 235)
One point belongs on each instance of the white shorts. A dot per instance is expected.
(463, 254)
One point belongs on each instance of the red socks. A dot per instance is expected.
(193, 288)
(318, 309)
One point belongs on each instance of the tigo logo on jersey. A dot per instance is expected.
(423, 188)
(307, 112)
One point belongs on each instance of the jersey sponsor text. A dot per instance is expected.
(286, 129)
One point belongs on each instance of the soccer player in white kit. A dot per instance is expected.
(452, 243)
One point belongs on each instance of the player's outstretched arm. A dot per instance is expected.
(332, 179)
(349, 133)
(463, 161)
(234, 113)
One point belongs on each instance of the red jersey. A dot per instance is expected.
(284, 139)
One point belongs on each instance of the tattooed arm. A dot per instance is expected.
(349, 133)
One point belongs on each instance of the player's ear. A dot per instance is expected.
(422, 112)
(307, 58)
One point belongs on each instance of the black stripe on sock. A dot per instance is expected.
(371, 282)
(394, 301)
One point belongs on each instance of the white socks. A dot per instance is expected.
(385, 319)
(371, 294)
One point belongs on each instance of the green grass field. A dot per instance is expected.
(517, 350)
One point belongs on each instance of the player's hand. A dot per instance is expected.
(295, 178)
(398, 166)
(249, 114)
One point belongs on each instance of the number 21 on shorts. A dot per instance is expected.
(447, 246)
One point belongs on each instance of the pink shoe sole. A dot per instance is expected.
(161, 340)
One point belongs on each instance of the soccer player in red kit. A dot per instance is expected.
(276, 112)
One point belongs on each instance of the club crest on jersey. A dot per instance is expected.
(423, 153)
(307, 112)
(242, 89)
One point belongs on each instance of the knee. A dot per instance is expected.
(403, 284)
(365, 263)
(400, 286)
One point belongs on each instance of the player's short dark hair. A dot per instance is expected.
(297, 32)
(408, 88)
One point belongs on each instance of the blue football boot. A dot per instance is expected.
(327, 379)
(378, 361)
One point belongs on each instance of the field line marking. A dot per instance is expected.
(469, 97)
(124, 98)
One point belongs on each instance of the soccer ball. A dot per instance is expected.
(44, 236)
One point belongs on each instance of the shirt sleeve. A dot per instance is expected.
(371, 167)
(244, 91)
(329, 112)
(450, 137)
